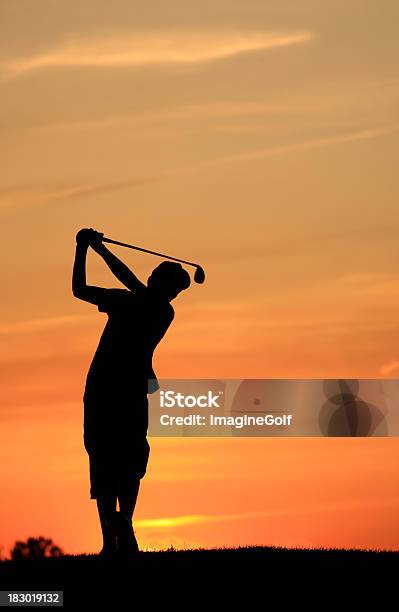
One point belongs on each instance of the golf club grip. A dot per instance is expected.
(137, 248)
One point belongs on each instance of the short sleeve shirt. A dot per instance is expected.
(136, 323)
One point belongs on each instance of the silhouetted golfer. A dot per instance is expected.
(115, 398)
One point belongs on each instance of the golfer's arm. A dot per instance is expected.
(80, 289)
(119, 269)
(79, 270)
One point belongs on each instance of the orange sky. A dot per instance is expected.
(259, 139)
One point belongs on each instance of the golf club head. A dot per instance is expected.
(199, 275)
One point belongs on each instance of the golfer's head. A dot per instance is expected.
(169, 278)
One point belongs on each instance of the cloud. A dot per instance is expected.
(303, 146)
(39, 326)
(187, 112)
(36, 194)
(389, 368)
(320, 508)
(175, 521)
(154, 48)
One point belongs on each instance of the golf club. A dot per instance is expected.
(199, 274)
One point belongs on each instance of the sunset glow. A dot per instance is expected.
(259, 139)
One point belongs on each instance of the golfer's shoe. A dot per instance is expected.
(108, 552)
(126, 540)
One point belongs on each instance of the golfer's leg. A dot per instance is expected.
(127, 501)
(106, 507)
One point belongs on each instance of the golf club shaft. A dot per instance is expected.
(137, 248)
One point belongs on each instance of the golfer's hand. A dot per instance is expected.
(89, 237)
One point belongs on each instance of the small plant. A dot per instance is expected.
(35, 548)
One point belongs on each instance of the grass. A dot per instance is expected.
(88, 579)
(245, 552)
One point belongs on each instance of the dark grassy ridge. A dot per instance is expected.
(230, 573)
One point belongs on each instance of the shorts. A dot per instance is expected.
(115, 438)
(113, 473)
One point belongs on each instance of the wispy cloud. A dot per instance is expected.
(26, 196)
(38, 326)
(318, 143)
(187, 112)
(173, 521)
(330, 506)
(36, 195)
(389, 368)
(163, 47)
(315, 109)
